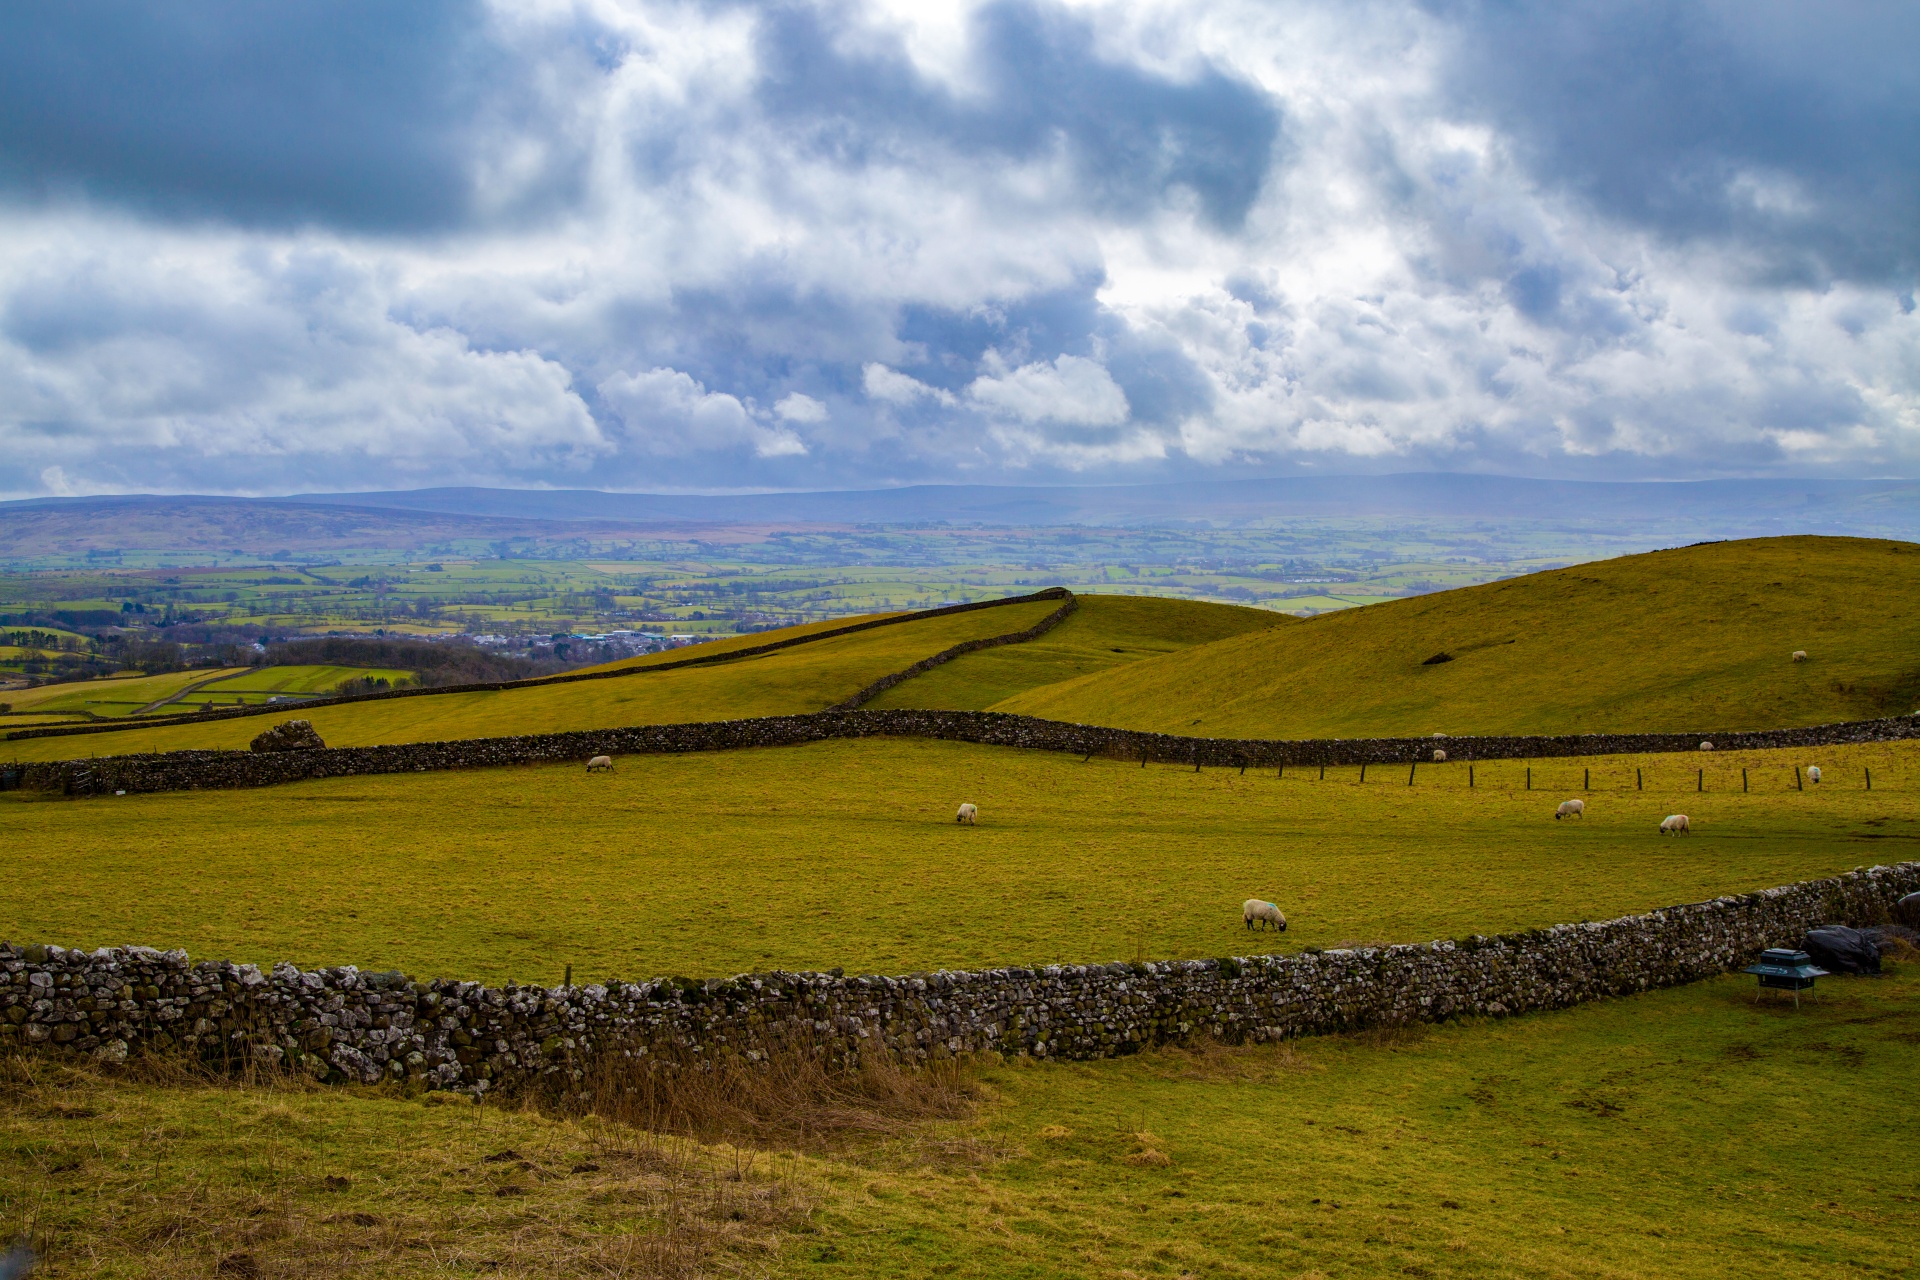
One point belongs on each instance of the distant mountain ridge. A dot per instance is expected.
(1744, 506)
(1287, 516)
(1220, 502)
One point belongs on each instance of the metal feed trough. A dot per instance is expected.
(1783, 969)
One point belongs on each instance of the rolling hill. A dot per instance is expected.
(1104, 632)
(808, 677)
(1692, 638)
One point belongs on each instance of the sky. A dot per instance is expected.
(304, 246)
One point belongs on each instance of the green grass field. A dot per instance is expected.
(808, 677)
(1683, 1132)
(117, 696)
(1699, 638)
(298, 679)
(846, 854)
(1102, 632)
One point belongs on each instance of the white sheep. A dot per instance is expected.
(1439, 756)
(1265, 912)
(1675, 824)
(969, 814)
(599, 762)
(1813, 773)
(1570, 809)
(1706, 746)
(1799, 655)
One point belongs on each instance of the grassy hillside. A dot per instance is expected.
(1689, 1132)
(1695, 638)
(1102, 633)
(115, 696)
(807, 677)
(839, 847)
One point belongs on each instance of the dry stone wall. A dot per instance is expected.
(494, 686)
(190, 770)
(345, 1025)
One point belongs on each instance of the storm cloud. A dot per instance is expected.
(255, 248)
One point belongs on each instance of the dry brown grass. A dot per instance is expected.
(158, 1170)
(790, 1099)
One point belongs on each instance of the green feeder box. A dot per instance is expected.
(1781, 969)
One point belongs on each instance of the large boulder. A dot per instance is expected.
(294, 735)
(1838, 949)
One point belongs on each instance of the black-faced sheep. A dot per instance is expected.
(1676, 824)
(969, 815)
(1265, 912)
(600, 762)
(1570, 809)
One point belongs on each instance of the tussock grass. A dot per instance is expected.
(1691, 639)
(846, 854)
(128, 1174)
(788, 1099)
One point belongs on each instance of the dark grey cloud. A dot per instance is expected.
(643, 243)
(359, 114)
(1132, 134)
(1786, 129)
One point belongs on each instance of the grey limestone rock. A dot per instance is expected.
(293, 735)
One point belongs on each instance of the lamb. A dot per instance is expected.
(1799, 655)
(1265, 912)
(1675, 824)
(1570, 809)
(1813, 773)
(969, 814)
(1439, 756)
(600, 762)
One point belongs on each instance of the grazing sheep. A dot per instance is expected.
(1439, 756)
(1265, 912)
(969, 814)
(1799, 655)
(1706, 746)
(1675, 824)
(1813, 773)
(1570, 809)
(599, 762)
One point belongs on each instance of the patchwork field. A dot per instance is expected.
(118, 696)
(846, 854)
(1696, 638)
(809, 677)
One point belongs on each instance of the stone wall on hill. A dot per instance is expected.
(123, 725)
(345, 1025)
(191, 770)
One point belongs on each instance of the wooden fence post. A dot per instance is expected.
(1529, 777)
(1410, 769)
(1469, 777)
(1700, 780)
(1743, 780)
(1586, 779)
(1363, 771)
(1639, 783)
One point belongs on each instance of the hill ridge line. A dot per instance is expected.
(494, 686)
(226, 769)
